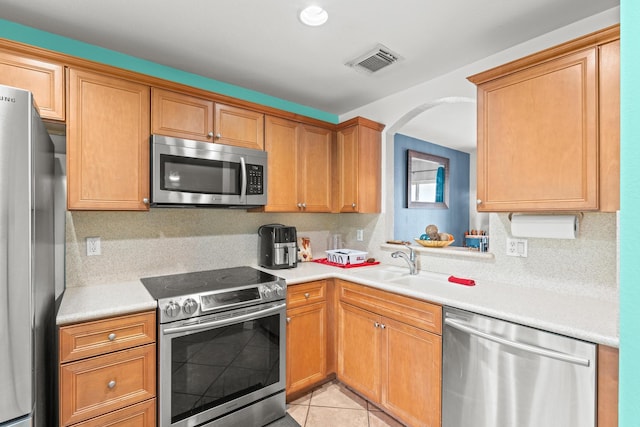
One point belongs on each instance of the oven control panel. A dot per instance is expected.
(183, 307)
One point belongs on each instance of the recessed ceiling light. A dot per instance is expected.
(314, 16)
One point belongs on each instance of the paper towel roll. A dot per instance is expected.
(545, 226)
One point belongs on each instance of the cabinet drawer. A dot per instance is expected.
(139, 415)
(307, 293)
(102, 384)
(414, 312)
(103, 336)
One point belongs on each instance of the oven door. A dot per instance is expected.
(215, 364)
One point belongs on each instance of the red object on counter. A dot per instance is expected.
(461, 281)
(335, 264)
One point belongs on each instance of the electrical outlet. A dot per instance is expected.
(360, 235)
(517, 247)
(93, 246)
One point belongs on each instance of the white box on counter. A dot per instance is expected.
(346, 256)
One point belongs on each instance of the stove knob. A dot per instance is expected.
(266, 292)
(172, 309)
(190, 306)
(279, 290)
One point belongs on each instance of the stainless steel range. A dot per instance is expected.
(221, 355)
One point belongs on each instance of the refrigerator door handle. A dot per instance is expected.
(520, 346)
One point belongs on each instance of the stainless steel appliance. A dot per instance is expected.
(27, 322)
(277, 246)
(203, 174)
(500, 374)
(222, 350)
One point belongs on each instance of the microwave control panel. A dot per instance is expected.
(255, 178)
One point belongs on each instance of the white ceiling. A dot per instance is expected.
(261, 45)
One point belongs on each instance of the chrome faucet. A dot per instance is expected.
(411, 259)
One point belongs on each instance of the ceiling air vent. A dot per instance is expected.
(374, 60)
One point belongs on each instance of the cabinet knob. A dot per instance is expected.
(111, 384)
(376, 324)
(306, 295)
(304, 205)
(288, 319)
(145, 201)
(112, 336)
(353, 205)
(218, 135)
(382, 326)
(478, 202)
(210, 134)
(299, 205)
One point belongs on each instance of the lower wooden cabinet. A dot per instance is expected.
(393, 363)
(306, 335)
(107, 372)
(139, 415)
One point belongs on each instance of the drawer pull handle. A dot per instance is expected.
(306, 295)
(111, 384)
(112, 336)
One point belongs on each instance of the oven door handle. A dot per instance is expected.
(232, 320)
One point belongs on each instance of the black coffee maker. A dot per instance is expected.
(277, 246)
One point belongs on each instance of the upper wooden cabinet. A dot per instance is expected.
(44, 79)
(185, 116)
(107, 143)
(299, 166)
(358, 167)
(541, 144)
(609, 130)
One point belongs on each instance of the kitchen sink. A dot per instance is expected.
(420, 279)
(384, 274)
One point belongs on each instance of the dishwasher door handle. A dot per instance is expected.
(520, 346)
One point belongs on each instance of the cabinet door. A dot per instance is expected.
(139, 415)
(101, 384)
(411, 367)
(359, 168)
(44, 79)
(609, 111)
(314, 168)
(537, 138)
(306, 346)
(107, 143)
(181, 116)
(240, 127)
(281, 138)
(359, 350)
(347, 155)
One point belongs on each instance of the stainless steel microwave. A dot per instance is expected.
(202, 174)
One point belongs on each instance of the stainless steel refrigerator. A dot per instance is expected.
(27, 267)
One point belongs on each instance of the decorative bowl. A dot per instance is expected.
(434, 243)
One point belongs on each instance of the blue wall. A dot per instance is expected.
(31, 36)
(410, 223)
(629, 218)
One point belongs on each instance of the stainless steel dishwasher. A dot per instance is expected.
(500, 374)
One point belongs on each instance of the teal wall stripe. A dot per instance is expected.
(34, 37)
(629, 409)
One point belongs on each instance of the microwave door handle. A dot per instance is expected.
(243, 189)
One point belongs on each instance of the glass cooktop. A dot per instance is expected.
(175, 285)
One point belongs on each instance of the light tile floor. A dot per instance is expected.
(334, 405)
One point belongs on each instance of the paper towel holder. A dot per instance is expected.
(561, 225)
(580, 215)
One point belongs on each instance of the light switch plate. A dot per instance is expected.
(517, 247)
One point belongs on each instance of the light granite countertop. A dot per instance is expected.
(581, 317)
